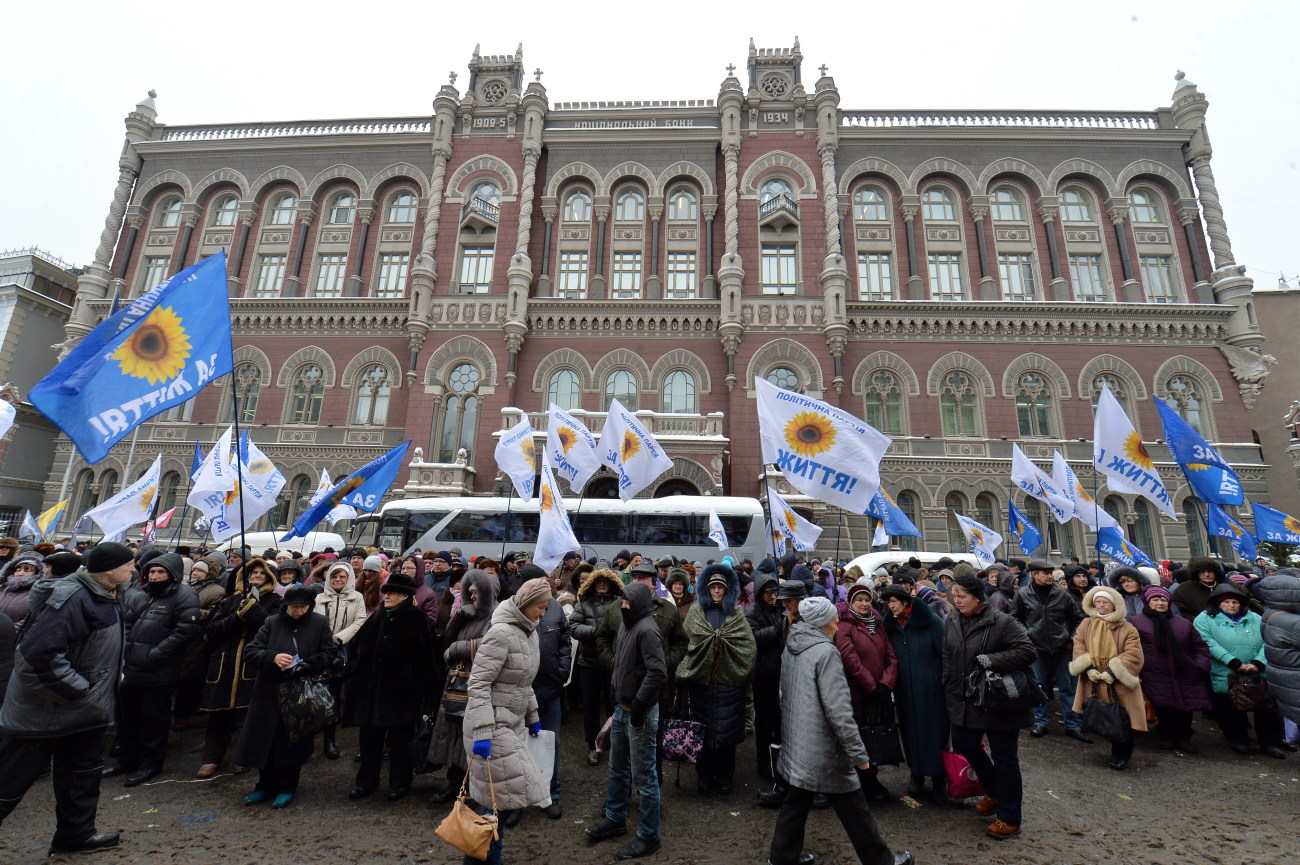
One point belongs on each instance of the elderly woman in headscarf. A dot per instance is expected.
(1176, 669)
(16, 581)
(1107, 659)
(872, 671)
(719, 663)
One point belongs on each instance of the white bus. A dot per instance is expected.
(491, 526)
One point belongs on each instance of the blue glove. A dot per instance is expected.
(483, 748)
(534, 728)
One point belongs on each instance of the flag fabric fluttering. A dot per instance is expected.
(717, 533)
(570, 448)
(1027, 535)
(631, 451)
(150, 533)
(214, 481)
(29, 529)
(196, 461)
(1273, 525)
(248, 500)
(982, 541)
(260, 471)
(1209, 474)
(342, 512)
(83, 527)
(1222, 525)
(891, 516)
(1118, 453)
(516, 455)
(364, 489)
(48, 521)
(1085, 507)
(1114, 544)
(826, 453)
(802, 533)
(156, 353)
(131, 506)
(8, 414)
(1035, 482)
(880, 537)
(163, 521)
(555, 535)
(777, 534)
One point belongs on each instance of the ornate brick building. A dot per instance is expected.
(962, 279)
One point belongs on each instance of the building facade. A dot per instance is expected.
(1276, 415)
(962, 280)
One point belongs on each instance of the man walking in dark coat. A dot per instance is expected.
(63, 695)
(1050, 616)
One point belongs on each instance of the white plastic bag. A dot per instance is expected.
(542, 749)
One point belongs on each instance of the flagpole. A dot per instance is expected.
(181, 526)
(1205, 521)
(1096, 517)
(767, 506)
(239, 458)
(505, 538)
(839, 532)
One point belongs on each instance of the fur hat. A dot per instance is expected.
(791, 590)
(399, 583)
(299, 595)
(1090, 608)
(897, 592)
(972, 586)
(64, 563)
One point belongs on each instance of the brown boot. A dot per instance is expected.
(986, 806)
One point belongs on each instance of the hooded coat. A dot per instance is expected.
(161, 621)
(1192, 595)
(719, 663)
(1124, 667)
(918, 694)
(1281, 596)
(1005, 641)
(1178, 677)
(461, 640)
(393, 679)
(589, 612)
(234, 623)
(641, 671)
(14, 589)
(501, 706)
(345, 610)
(677, 575)
(663, 612)
(769, 637)
(1232, 643)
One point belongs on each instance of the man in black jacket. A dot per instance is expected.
(1051, 617)
(765, 620)
(63, 695)
(639, 675)
(161, 620)
(555, 648)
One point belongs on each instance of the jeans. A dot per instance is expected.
(550, 713)
(855, 817)
(632, 760)
(78, 761)
(999, 775)
(1053, 668)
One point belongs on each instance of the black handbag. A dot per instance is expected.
(420, 744)
(1248, 692)
(878, 730)
(1108, 720)
(1011, 691)
(455, 695)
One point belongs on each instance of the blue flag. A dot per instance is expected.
(1210, 476)
(157, 352)
(883, 507)
(1222, 525)
(363, 490)
(1027, 535)
(1115, 545)
(197, 461)
(1273, 525)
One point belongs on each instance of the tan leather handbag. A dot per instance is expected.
(468, 831)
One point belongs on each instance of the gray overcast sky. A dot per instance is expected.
(73, 71)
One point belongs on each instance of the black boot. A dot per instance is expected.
(916, 785)
(940, 795)
(330, 747)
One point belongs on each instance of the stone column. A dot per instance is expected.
(520, 275)
(183, 249)
(1131, 290)
(134, 223)
(1059, 289)
(549, 213)
(653, 282)
(910, 205)
(293, 282)
(1201, 292)
(731, 272)
(988, 286)
(366, 216)
(233, 281)
(709, 287)
(596, 285)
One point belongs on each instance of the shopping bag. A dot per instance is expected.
(542, 749)
(962, 783)
(306, 706)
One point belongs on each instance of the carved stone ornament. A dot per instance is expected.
(1250, 367)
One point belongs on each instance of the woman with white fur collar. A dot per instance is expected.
(1108, 651)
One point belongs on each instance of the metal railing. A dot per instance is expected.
(776, 203)
(485, 209)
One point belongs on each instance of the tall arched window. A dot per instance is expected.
(107, 485)
(1114, 506)
(937, 205)
(1193, 529)
(1034, 405)
(373, 390)
(306, 393)
(1144, 207)
(1140, 531)
(958, 405)
(401, 207)
(1118, 387)
(956, 537)
(679, 393)
(884, 402)
(1007, 205)
(1076, 205)
(986, 509)
(169, 213)
(906, 501)
(621, 386)
(577, 207)
(564, 389)
(1184, 394)
(784, 377)
(292, 501)
(683, 206)
(226, 211)
(774, 188)
(246, 384)
(84, 486)
(487, 192)
(630, 206)
(167, 490)
(342, 208)
(460, 412)
(869, 205)
(283, 209)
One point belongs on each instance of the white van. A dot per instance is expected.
(868, 562)
(261, 541)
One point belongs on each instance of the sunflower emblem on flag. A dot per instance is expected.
(1292, 525)
(631, 446)
(1080, 493)
(976, 538)
(777, 534)
(1236, 529)
(157, 349)
(547, 498)
(231, 495)
(147, 496)
(1126, 549)
(348, 486)
(529, 451)
(1197, 467)
(260, 466)
(791, 521)
(1137, 452)
(567, 438)
(809, 433)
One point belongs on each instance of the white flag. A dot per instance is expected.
(1118, 453)
(802, 533)
(554, 533)
(8, 414)
(214, 480)
(717, 533)
(342, 512)
(262, 473)
(1037, 483)
(29, 529)
(1085, 508)
(131, 506)
(826, 453)
(631, 451)
(777, 534)
(880, 538)
(517, 456)
(242, 505)
(570, 448)
(982, 540)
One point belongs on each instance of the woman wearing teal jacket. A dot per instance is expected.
(1236, 640)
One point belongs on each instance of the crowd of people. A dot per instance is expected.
(447, 665)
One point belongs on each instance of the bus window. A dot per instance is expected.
(419, 523)
(736, 527)
(523, 528)
(470, 525)
(601, 528)
(392, 530)
(663, 529)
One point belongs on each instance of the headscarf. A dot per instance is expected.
(1160, 623)
(533, 592)
(1101, 643)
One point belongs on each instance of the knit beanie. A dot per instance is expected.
(817, 611)
(1150, 592)
(106, 556)
(373, 563)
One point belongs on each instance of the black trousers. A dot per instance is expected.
(189, 694)
(717, 765)
(145, 714)
(597, 701)
(221, 729)
(78, 760)
(279, 780)
(1236, 724)
(854, 815)
(400, 767)
(1174, 725)
(767, 725)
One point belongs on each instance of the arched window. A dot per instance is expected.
(986, 509)
(342, 208)
(906, 501)
(1184, 394)
(1144, 206)
(460, 416)
(107, 485)
(226, 211)
(784, 377)
(306, 393)
(246, 384)
(169, 213)
(283, 209)
(293, 501)
(774, 188)
(167, 490)
(1076, 205)
(577, 207)
(182, 413)
(957, 404)
(373, 390)
(630, 206)
(1118, 387)
(1007, 205)
(683, 205)
(564, 389)
(869, 205)
(956, 537)
(1034, 405)
(85, 497)
(1114, 506)
(937, 205)
(1140, 530)
(487, 192)
(401, 207)
(884, 395)
(621, 386)
(1192, 527)
(679, 393)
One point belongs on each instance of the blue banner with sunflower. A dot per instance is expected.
(1209, 474)
(156, 353)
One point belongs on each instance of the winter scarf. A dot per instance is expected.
(724, 655)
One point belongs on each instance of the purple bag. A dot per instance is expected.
(683, 740)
